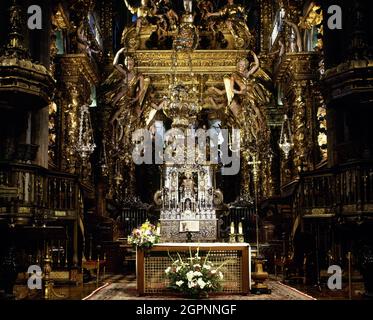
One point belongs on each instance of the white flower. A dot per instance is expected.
(221, 275)
(197, 274)
(179, 283)
(209, 284)
(178, 268)
(197, 265)
(206, 266)
(201, 283)
(213, 271)
(192, 284)
(190, 276)
(168, 270)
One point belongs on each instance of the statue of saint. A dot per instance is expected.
(188, 185)
(188, 6)
(188, 205)
(295, 37)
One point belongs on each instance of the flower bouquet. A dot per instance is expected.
(144, 236)
(195, 277)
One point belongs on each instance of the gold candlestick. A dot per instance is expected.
(232, 235)
(255, 163)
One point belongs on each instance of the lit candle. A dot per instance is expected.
(158, 229)
(240, 228)
(232, 227)
(163, 198)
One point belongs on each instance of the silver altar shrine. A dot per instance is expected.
(188, 212)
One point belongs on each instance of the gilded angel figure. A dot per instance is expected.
(235, 17)
(246, 95)
(143, 13)
(126, 94)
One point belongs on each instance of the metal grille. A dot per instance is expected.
(157, 262)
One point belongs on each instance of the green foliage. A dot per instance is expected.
(194, 277)
(144, 236)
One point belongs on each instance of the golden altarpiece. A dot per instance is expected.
(183, 67)
(188, 70)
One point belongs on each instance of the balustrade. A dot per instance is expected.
(38, 188)
(347, 188)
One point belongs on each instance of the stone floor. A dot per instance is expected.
(123, 287)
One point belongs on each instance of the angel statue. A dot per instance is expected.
(235, 17)
(246, 94)
(83, 44)
(126, 93)
(143, 13)
(151, 106)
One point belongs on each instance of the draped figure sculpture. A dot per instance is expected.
(142, 12)
(234, 16)
(246, 88)
(246, 96)
(126, 95)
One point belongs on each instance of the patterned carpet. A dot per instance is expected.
(124, 288)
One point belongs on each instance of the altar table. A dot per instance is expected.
(151, 265)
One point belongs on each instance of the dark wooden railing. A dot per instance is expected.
(343, 189)
(130, 218)
(32, 186)
(245, 215)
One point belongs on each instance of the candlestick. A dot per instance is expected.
(240, 228)
(163, 198)
(158, 229)
(66, 261)
(59, 253)
(232, 227)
